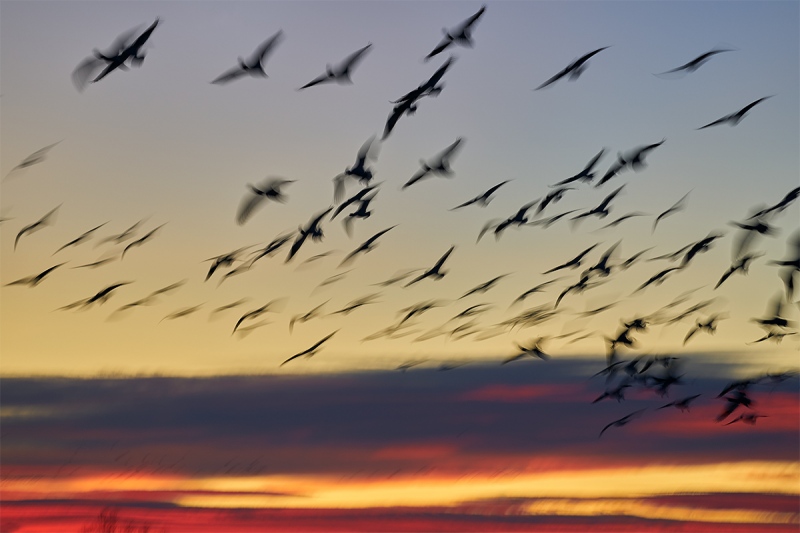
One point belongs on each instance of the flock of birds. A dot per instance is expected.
(656, 373)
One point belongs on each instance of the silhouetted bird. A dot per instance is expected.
(573, 70)
(33, 281)
(254, 66)
(341, 72)
(268, 189)
(435, 271)
(133, 52)
(36, 157)
(695, 63)
(438, 165)
(42, 223)
(622, 421)
(734, 118)
(461, 34)
(482, 199)
(310, 352)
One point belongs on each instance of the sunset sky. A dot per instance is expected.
(176, 422)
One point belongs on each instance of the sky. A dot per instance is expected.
(161, 145)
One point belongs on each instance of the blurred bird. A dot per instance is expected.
(461, 34)
(341, 72)
(438, 165)
(310, 352)
(734, 118)
(695, 63)
(254, 66)
(42, 223)
(573, 70)
(268, 189)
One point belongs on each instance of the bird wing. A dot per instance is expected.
(442, 259)
(260, 54)
(322, 78)
(717, 122)
(416, 177)
(353, 59)
(248, 206)
(85, 71)
(552, 80)
(443, 45)
(229, 75)
(468, 202)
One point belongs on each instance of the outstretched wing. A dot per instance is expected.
(322, 78)
(248, 206)
(229, 75)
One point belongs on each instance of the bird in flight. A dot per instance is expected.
(269, 189)
(677, 206)
(359, 170)
(43, 222)
(312, 230)
(341, 72)
(36, 157)
(367, 246)
(734, 118)
(435, 271)
(461, 34)
(84, 236)
(439, 164)
(407, 104)
(33, 281)
(310, 352)
(695, 63)
(254, 66)
(622, 421)
(132, 52)
(573, 70)
(482, 199)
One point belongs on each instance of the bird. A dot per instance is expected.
(367, 246)
(312, 230)
(254, 66)
(682, 404)
(734, 118)
(534, 290)
(121, 237)
(482, 199)
(483, 287)
(132, 52)
(88, 68)
(438, 165)
(601, 210)
(622, 421)
(790, 266)
(573, 70)
(710, 326)
(553, 196)
(268, 189)
(255, 313)
(359, 170)
(407, 104)
(585, 175)
(658, 278)
(33, 281)
(310, 352)
(43, 222)
(575, 262)
(224, 260)
(696, 63)
(84, 236)
(357, 197)
(635, 158)
(533, 349)
(36, 157)
(738, 397)
(355, 304)
(677, 206)
(341, 72)
(747, 418)
(141, 240)
(741, 265)
(435, 271)
(100, 296)
(616, 222)
(774, 318)
(305, 317)
(461, 34)
(520, 218)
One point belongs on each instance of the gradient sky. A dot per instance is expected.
(161, 144)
